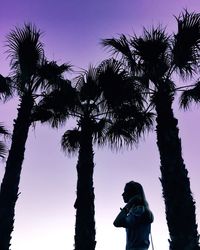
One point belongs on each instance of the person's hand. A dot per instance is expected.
(133, 201)
(129, 205)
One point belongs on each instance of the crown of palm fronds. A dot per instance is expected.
(186, 43)
(152, 52)
(105, 99)
(25, 51)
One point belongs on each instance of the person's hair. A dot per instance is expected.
(136, 189)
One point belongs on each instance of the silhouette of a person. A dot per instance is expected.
(136, 217)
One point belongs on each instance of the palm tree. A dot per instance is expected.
(153, 59)
(101, 118)
(30, 70)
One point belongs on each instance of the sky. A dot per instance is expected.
(72, 30)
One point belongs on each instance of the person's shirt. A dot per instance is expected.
(138, 226)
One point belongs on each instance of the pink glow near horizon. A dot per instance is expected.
(45, 215)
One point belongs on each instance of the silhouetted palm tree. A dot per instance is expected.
(153, 59)
(105, 115)
(29, 72)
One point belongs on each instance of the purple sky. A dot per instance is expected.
(45, 215)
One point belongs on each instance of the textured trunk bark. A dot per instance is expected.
(85, 222)
(10, 183)
(179, 203)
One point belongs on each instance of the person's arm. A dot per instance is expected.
(128, 217)
(120, 220)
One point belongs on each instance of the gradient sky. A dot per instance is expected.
(45, 216)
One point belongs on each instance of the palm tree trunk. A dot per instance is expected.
(179, 203)
(10, 183)
(85, 223)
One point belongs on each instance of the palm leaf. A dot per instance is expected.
(119, 134)
(186, 45)
(87, 84)
(60, 99)
(54, 118)
(100, 129)
(115, 82)
(51, 75)
(70, 141)
(55, 106)
(3, 132)
(122, 46)
(3, 149)
(125, 129)
(190, 95)
(6, 88)
(41, 114)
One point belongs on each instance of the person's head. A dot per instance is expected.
(132, 189)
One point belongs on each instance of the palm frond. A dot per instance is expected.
(41, 114)
(5, 133)
(100, 129)
(123, 132)
(70, 141)
(25, 50)
(119, 134)
(121, 46)
(116, 83)
(87, 84)
(58, 119)
(186, 44)
(49, 115)
(3, 130)
(51, 75)
(190, 95)
(56, 106)
(3, 149)
(6, 88)
(60, 99)
(143, 122)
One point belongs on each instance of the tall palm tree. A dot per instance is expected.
(29, 72)
(154, 59)
(105, 115)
